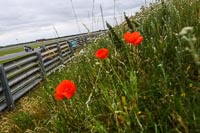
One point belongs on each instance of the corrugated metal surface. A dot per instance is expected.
(2, 99)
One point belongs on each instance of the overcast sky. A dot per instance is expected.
(28, 20)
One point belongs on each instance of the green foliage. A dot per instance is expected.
(153, 87)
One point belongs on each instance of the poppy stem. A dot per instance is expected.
(94, 86)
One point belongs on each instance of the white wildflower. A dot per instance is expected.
(186, 30)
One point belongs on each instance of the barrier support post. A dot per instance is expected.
(41, 63)
(60, 54)
(6, 88)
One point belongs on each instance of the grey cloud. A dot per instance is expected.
(30, 15)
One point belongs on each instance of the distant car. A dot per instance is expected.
(28, 49)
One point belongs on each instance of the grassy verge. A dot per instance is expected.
(154, 87)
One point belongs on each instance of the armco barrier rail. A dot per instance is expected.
(23, 73)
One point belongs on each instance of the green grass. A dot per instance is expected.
(154, 87)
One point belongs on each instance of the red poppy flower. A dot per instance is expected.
(65, 89)
(135, 38)
(102, 53)
(127, 36)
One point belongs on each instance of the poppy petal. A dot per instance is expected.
(134, 36)
(58, 97)
(139, 40)
(102, 53)
(127, 36)
(66, 87)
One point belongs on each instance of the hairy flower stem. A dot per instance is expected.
(139, 123)
(94, 86)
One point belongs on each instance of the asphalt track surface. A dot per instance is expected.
(10, 56)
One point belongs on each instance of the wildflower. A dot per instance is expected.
(190, 85)
(102, 53)
(97, 63)
(135, 38)
(188, 68)
(81, 52)
(186, 30)
(123, 101)
(183, 94)
(139, 112)
(65, 89)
